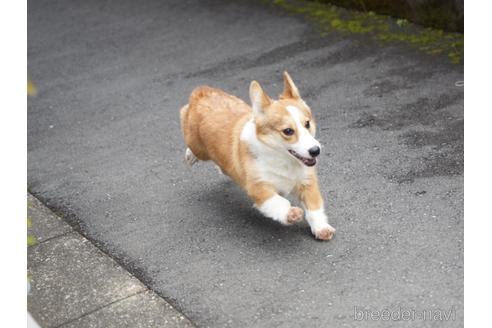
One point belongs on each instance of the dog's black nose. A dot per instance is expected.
(314, 151)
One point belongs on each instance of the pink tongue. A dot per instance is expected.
(308, 161)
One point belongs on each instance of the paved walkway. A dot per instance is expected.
(74, 284)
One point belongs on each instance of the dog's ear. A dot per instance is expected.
(259, 99)
(290, 89)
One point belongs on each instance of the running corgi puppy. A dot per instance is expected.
(269, 149)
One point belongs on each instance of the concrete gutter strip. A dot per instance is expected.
(74, 284)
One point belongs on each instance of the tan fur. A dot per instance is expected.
(274, 121)
(212, 123)
(309, 194)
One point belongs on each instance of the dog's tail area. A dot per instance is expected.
(190, 158)
(183, 113)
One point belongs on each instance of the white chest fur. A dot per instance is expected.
(280, 173)
(272, 165)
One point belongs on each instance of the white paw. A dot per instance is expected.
(318, 222)
(190, 158)
(295, 215)
(277, 208)
(325, 233)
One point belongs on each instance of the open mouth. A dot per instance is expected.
(304, 160)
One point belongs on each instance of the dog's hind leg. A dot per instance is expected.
(219, 169)
(190, 158)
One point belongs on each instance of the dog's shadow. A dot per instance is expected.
(233, 212)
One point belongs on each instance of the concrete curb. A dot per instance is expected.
(74, 284)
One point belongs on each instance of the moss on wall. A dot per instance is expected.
(330, 18)
(441, 14)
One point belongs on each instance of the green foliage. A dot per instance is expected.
(401, 22)
(440, 14)
(31, 240)
(330, 18)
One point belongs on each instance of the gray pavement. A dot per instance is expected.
(105, 151)
(74, 284)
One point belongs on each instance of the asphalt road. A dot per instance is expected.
(105, 150)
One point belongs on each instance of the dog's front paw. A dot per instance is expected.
(294, 215)
(325, 233)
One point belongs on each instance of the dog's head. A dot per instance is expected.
(286, 124)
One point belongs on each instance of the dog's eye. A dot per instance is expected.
(288, 131)
(308, 125)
